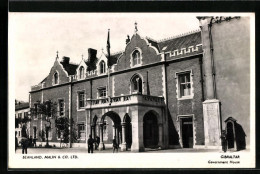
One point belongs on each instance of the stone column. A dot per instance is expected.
(123, 146)
(101, 145)
(137, 132)
(211, 112)
(114, 131)
(93, 131)
(117, 135)
(212, 123)
(160, 143)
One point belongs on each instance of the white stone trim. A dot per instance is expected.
(102, 58)
(53, 80)
(131, 58)
(85, 100)
(163, 82)
(131, 83)
(193, 127)
(63, 68)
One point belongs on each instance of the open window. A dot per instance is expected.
(184, 85)
(102, 92)
(136, 84)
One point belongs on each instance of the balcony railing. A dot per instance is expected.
(126, 100)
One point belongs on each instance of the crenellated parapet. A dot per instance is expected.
(184, 51)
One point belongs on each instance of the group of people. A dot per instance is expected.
(25, 143)
(91, 143)
(96, 141)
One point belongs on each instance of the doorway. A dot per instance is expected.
(187, 132)
(150, 133)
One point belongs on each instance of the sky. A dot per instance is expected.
(34, 39)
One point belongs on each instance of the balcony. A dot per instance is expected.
(125, 100)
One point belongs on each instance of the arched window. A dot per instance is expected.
(102, 67)
(136, 84)
(81, 72)
(55, 78)
(136, 57)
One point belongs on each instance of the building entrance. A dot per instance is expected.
(187, 132)
(150, 132)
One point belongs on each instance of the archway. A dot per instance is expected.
(150, 130)
(230, 135)
(128, 131)
(115, 127)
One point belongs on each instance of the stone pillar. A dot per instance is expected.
(123, 146)
(160, 143)
(93, 131)
(211, 112)
(137, 132)
(114, 131)
(117, 135)
(207, 58)
(101, 144)
(212, 128)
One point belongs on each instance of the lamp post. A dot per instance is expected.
(47, 128)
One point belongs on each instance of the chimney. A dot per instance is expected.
(92, 54)
(127, 40)
(66, 60)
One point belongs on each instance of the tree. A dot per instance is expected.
(47, 111)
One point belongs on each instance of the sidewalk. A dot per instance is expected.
(74, 150)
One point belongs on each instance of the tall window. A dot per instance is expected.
(102, 92)
(81, 99)
(81, 72)
(61, 107)
(184, 80)
(81, 131)
(55, 78)
(136, 84)
(102, 67)
(136, 57)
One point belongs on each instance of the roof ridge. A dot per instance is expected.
(147, 37)
(115, 53)
(179, 35)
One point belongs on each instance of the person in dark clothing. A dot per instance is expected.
(16, 141)
(90, 144)
(24, 140)
(25, 144)
(34, 142)
(224, 141)
(97, 141)
(30, 141)
(115, 146)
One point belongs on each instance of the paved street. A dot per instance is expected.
(110, 150)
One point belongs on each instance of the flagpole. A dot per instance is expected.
(108, 68)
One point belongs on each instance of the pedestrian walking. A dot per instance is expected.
(115, 145)
(90, 144)
(30, 142)
(97, 141)
(25, 144)
(16, 141)
(224, 141)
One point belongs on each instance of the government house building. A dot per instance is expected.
(179, 92)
